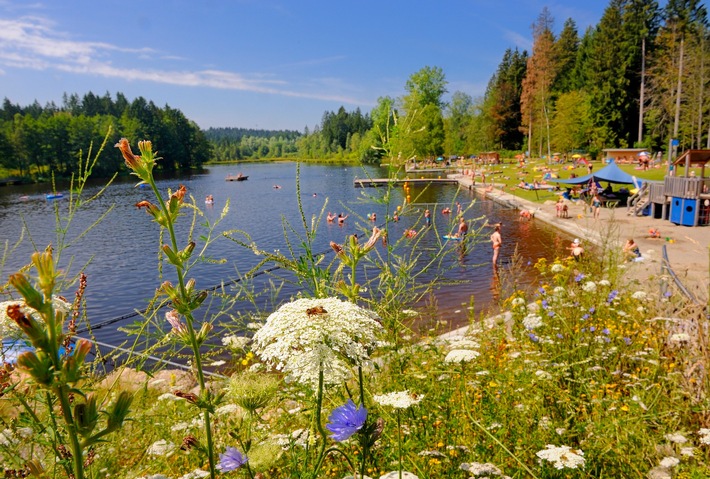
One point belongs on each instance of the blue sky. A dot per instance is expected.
(268, 64)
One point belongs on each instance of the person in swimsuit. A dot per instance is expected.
(463, 228)
(497, 241)
(331, 217)
(341, 219)
(427, 217)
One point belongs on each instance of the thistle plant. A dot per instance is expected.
(184, 297)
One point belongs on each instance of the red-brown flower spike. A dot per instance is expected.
(132, 161)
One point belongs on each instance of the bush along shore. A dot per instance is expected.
(589, 375)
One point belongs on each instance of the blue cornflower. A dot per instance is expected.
(559, 336)
(346, 420)
(612, 296)
(533, 338)
(544, 303)
(585, 316)
(667, 294)
(541, 290)
(592, 329)
(579, 277)
(231, 460)
(592, 309)
(550, 313)
(605, 331)
(627, 341)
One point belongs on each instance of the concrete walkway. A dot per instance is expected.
(688, 248)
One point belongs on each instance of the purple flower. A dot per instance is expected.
(592, 329)
(605, 331)
(550, 313)
(579, 277)
(533, 338)
(667, 294)
(592, 309)
(612, 296)
(346, 420)
(231, 460)
(627, 341)
(559, 336)
(544, 303)
(586, 316)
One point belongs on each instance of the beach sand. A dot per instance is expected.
(687, 248)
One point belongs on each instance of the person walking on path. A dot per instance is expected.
(596, 206)
(497, 241)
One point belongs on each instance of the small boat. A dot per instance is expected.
(53, 196)
(238, 177)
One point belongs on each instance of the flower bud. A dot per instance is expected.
(86, 416)
(119, 411)
(38, 365)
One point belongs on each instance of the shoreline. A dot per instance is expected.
(688, 247)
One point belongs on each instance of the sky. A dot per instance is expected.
(262, 64)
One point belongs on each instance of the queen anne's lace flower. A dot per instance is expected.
(562, 456)
(641, 295)
(398, 400)
(670, 462)
(557, 268)
(307, 336)
(532, 321)
(590, 286)
(461, 356)
(704, 434)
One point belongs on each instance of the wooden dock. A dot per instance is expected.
(372, 182)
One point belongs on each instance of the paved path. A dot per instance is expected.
(688, 248)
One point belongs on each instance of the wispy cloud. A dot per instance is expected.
(33, 43)
(518, 39)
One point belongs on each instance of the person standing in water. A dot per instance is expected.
(427, 217)
(497, 241)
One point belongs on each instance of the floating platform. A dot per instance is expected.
(373, 182)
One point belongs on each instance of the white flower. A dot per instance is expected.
(196, 474)
(461, 356)
(533, 307)
(518, 302)
(543, 374)
(687, 451)
(160, 448)
(559, 290)
(409, 313)
(557, 268)
(309, 336)
(8, 327)
(679, 338)
(226, 409)
(704, 436)
(676, 438)
(398, 400)
(562, 456)
(218, 363)
(604, 282)
(659, 472)
(670, 462)
(640, 295)
(560, 431)
(396, 475)
(590, 286)
(181, 426)
(235, 342)
(478, 469)
(532, 321)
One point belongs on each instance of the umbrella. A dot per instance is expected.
(643, 153)
(576, 155)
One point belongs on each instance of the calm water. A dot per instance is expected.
(122, 250)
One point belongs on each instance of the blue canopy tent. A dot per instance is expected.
(610, 173)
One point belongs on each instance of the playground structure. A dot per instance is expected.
(683, 197)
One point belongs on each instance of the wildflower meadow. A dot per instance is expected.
(587, 375)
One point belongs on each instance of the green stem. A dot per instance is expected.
(363, 437)
(77, 451)
(189, 320)
(319, 425)
(399, 442)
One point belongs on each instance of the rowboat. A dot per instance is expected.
(238, 177)
(53, 196)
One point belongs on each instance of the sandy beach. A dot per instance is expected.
(687, 247)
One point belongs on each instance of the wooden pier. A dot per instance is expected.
(373, 182)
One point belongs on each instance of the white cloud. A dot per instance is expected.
(33, 43)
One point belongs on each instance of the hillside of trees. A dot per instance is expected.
(37, 139)
(229, 144)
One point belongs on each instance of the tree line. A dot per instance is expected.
(639, 78)
(36, 140)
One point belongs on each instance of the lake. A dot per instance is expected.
(122, 250)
